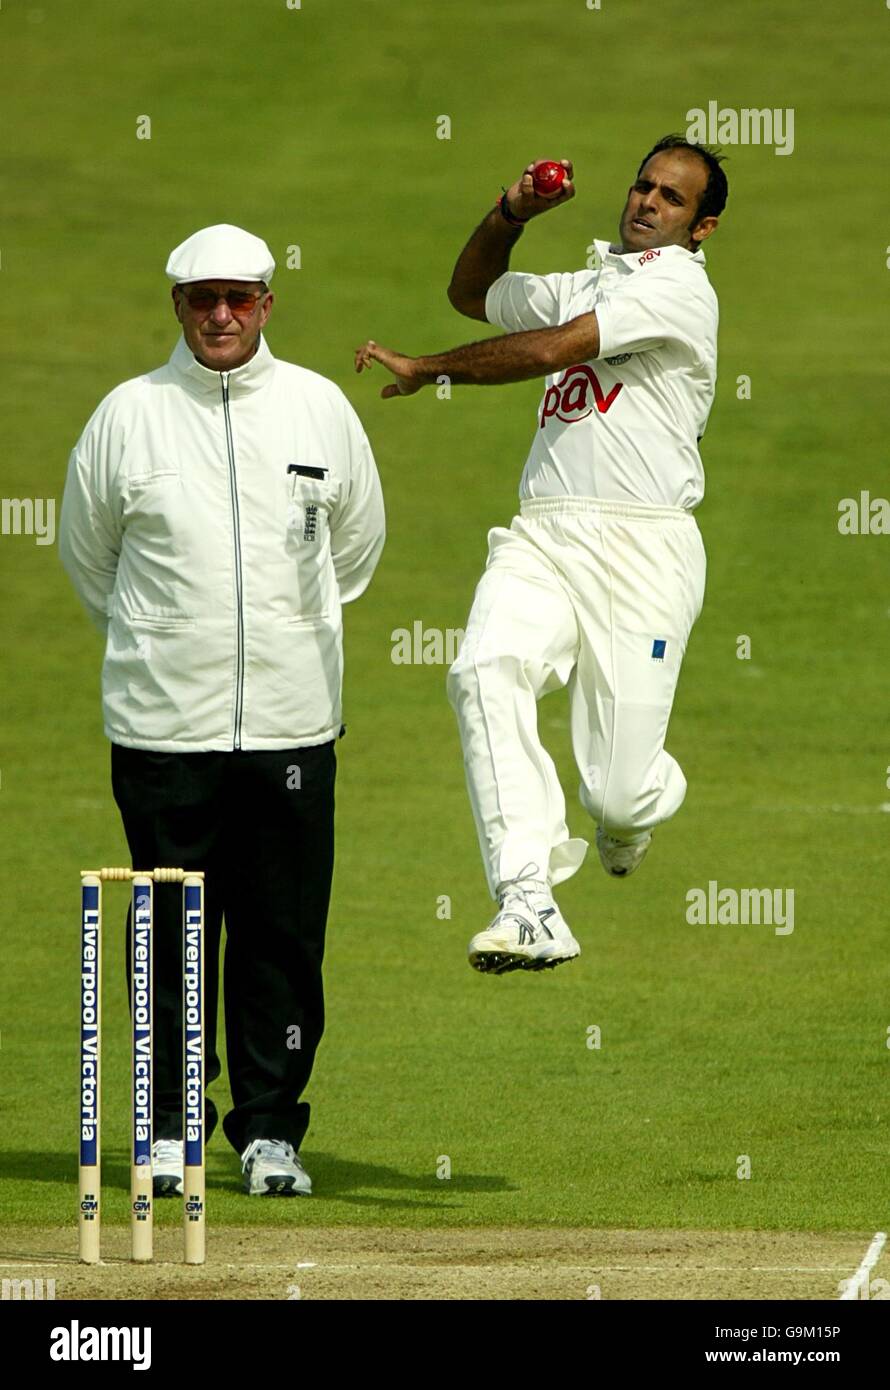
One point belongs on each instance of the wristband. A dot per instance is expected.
(507, 214)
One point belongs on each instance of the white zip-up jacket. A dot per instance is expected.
(213, 523)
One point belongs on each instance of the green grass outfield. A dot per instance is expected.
(317, 127)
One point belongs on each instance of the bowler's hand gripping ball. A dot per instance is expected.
(548, 178)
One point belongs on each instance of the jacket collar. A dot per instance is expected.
(201, 381)
(633, 260)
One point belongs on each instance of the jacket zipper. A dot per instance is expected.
(239, 577)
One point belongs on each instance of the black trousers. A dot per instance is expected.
(261, 826)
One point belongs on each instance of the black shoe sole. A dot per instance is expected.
(283, 1187)
(279, 1187)
(495, 963)
(166, 1187)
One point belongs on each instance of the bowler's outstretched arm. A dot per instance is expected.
(492, 362)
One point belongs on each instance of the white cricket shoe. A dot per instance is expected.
(527, 933)
(166, 1167)
(621, 857)
(271, 1168)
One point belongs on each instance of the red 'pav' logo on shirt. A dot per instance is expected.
(575, 396)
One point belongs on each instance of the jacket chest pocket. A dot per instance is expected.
(156, 509)
(148, 492)
(307, 542)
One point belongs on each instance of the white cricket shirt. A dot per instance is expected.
(624, 426)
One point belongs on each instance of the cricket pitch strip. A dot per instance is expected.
(371, 1263)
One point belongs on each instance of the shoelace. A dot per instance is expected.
(527, 921)
(525, 883)
(522, 887)
(623, 851)
(270, 1149)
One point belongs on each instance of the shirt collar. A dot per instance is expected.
(202, 381)
(633, 260)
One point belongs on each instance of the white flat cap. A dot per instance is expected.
(222, 252)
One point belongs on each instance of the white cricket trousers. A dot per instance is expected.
(599, 597)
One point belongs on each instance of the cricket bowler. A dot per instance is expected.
(596, 584)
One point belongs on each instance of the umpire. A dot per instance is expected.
(218, 511)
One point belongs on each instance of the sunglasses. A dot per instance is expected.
(203, 300)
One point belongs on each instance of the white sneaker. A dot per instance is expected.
(271, 1168)
(166, 1167)
(528, 932)
(621, 857)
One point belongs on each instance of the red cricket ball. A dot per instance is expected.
(548, 178)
